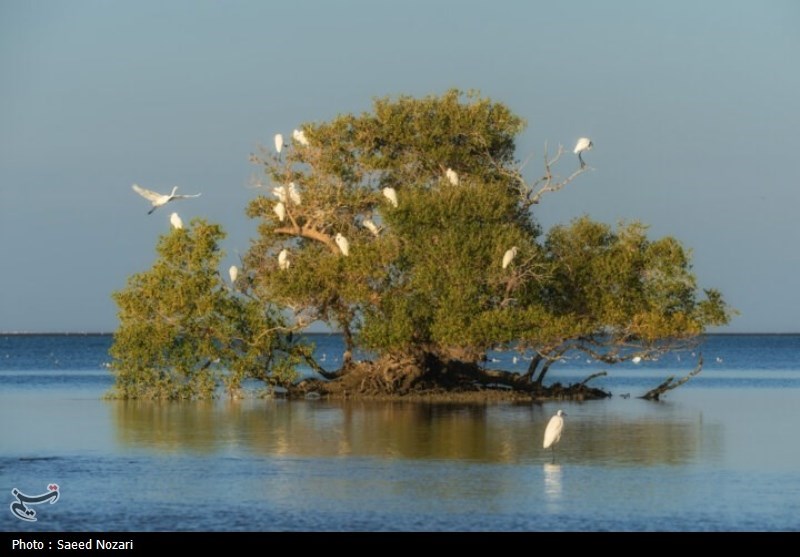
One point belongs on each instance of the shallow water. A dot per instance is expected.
(721, 453)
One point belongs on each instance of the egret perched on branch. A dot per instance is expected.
(300, 137)
(509, 256)
(391, 195)
(280, 193)
(176, 221)
(280, 210)
(278, 142)
(552, 434)
(344, 245)
(158, 199)
(294, 195)
(369, 225)
(452, 175)
(283, 259)
(584, 144)
(233, 272)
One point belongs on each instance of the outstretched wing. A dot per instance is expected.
(147, 194)
(186, 196)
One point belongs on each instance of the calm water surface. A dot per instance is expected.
(720, 453)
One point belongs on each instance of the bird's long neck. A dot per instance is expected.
(174, 189)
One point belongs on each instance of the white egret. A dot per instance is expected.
(509, 256)
(233, 272)
(344, 245)
(278, 142)
(294, 194)
(584, 144)
(283, 259)
(280, 193)
(158, 199)
(391, 195)
(280, 210)
(300, 137)
(552, 434)
(636, 359)
(176, 221)
(369, 225)
(452, 175)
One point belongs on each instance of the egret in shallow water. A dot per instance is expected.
(552, 434)
(636, 359)
(283, 259)
(391, 195)
(344, 245)
(176, 221)
(584, 144)
(509, 256)
(159, 199)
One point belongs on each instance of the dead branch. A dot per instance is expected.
(668, 385)
(593, 376)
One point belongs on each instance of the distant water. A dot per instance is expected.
(719, 453)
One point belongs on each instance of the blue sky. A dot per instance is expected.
(692, 107)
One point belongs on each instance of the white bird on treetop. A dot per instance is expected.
(176, 221)
(509, 256)
(552, 434)
(294, 194)
(369, 225)
(391, 195)
(280, 210)
(278, 142)
(344, 245)
(233, 272)
(300, 137)
(584, 144)
(158, 199)
(452, 175)
(280, 193)
(283, 259)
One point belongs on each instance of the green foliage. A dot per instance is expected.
(183, 332)
(432, 279)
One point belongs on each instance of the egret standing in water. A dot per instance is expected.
(158, 199)
(552, 434)
(584, 144)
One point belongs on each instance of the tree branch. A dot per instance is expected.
(668, 385)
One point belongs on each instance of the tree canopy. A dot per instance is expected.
(412, 230)
(183, 331)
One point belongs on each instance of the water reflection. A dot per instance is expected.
(552, 481)
(484, 433)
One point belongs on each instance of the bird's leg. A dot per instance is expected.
(580, 158)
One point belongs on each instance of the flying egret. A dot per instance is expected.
(509, 256)
(283, 259)
(158, 199)
(344, 245)
(300, 137)
(584, 144)
(452, 176)
(278, 142)
(369, 225)
(552, 434)
(233, 272)
(391, 195)
(280, 210)
(294, 194)
(176, 221)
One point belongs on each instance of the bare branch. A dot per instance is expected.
(668, 385)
